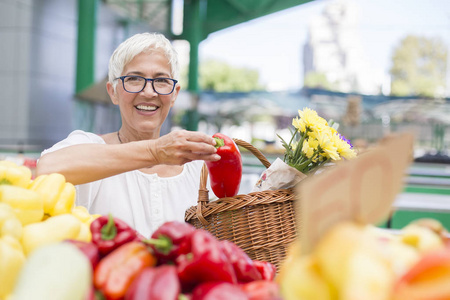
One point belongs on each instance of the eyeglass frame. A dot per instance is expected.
(152, 80)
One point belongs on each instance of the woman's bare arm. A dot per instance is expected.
(89, 162)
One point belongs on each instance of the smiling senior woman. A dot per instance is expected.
(135, 174)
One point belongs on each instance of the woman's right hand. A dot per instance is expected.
(182, 146)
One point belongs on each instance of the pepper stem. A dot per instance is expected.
(162, 243)
(219, 142)
(109, 230)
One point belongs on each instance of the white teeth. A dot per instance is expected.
(145, 107)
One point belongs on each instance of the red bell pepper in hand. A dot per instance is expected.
(266, 269)
(225, 174)
(155, 283)
(218, 291)
(205, 262)
(243, 265)
(262, 290)
(116, 271)
(167, 240)
(108, 233)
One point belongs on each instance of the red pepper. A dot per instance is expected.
(262, 290)
(218, 291)
(89, 249)
(205, 262)
(116, 271)
(225, 175)
(167, 240)
(266, 269)
(155, 283)
(108, 233)
(243, 265)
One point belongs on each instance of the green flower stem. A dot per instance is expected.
(302, 166)
(299, 148)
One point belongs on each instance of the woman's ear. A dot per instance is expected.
(111, 93)
(175, 95)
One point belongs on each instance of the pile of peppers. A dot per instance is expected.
(176, 262)
(34, 212)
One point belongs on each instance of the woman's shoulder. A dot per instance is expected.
(74, 138)
(80, 135)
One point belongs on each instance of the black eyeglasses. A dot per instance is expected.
(135, 84)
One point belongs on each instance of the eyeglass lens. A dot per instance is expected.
(135, 84)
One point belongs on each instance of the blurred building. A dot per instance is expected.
(39, 41)
(333, 48)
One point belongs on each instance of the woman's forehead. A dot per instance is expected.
(146, 61)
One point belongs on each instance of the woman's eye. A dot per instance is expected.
(161, 80)
(128, 79)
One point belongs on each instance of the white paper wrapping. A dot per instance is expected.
(278, 176)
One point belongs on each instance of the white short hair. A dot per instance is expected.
(137, 44)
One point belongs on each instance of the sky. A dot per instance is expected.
(273, 44)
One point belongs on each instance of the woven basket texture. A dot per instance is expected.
(263, 223)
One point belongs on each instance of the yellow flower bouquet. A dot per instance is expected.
(314, 142)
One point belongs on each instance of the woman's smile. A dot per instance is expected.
(146, 108)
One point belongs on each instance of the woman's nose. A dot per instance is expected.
(148, 89)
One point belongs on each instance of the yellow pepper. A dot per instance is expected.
(83, 215)
(11, 173)
(27, 205)
(54, 229)
(9, 223)
(12, 259)
(59, 195)
(85, 234)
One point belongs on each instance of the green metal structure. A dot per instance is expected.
(200, 18)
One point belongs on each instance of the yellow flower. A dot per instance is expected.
(309, 147)
(314, 135)
(308, 120)
(343, 148)
(329, 150)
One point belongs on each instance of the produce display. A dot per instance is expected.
(33, 214)
(50, 249)
(354, 261)
(225, 175)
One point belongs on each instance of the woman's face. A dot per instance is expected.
(143, 113)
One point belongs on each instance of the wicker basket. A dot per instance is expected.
(261, 223)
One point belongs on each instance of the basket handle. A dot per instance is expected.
(203, 196)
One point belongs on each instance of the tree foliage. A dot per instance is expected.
(419, 67)
(221, 77)
(318, 80)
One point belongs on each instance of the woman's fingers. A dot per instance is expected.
(182, 146)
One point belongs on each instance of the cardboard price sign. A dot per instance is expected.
(362, 189)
